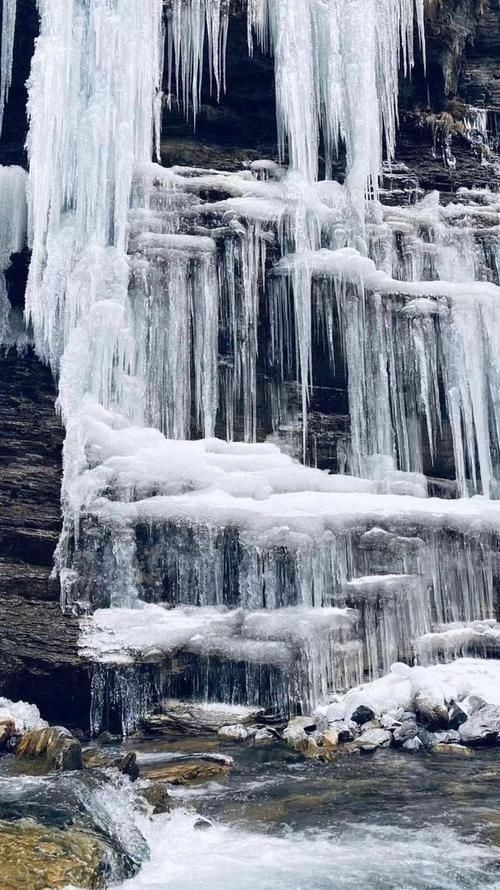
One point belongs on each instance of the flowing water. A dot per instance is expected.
(388, 821)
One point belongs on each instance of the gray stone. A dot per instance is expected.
(482, 726)
(392, 719)
(413, 744)
(405, 732)
(372, 739)
(472, 704)
(235, 733)
(263, 736)
(447, 737)
(456, 715)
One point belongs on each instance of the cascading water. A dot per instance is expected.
(179, 304)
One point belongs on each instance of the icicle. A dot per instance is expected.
(188, 26)
(9, 14)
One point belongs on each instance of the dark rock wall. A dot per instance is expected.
(38, 645)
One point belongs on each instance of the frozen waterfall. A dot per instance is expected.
(189, 314)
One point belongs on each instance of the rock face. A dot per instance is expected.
(38, 645)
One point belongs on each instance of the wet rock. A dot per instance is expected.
(52, 748)
(127, 765)
(296, 732)
(186, 771)
(107, 738)
(312, 748)
(330, 738)
(156, 795)
(431, 710)
(7, 731)
(263, 736)
(362, 714)
(413, 744)
(482, 726)
(235, 733)
(371, 740)
(36, 857)
(456, 715)
(427, 738)
(447, 737)
(202, 824)
(457, 750)
(198, 718)
(405, 733)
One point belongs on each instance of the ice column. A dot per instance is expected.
(93, 105)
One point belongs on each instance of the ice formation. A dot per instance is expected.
(12, 235)
(189, 313)
(24, 715)
(9, 14)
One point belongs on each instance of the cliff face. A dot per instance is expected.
(38, 646)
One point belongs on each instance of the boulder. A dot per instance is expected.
(235, 733)
(185, 771)
(457, 750)
(392, 719)
(198, 718)
(456, 716)
(52, 748)
(371, 740)
(471, 704)
(447, 737)
(482, 726)
(431, 709)
(413, 744)
(405, 732)
(37, 857)
(156, 795)
(295, 733)
(363, 714)
(107, 738)
(330, 739)
(127, 764)
(263, 736)
(202, 824)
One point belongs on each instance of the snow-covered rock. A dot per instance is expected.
(235, 733)
(482, 726)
